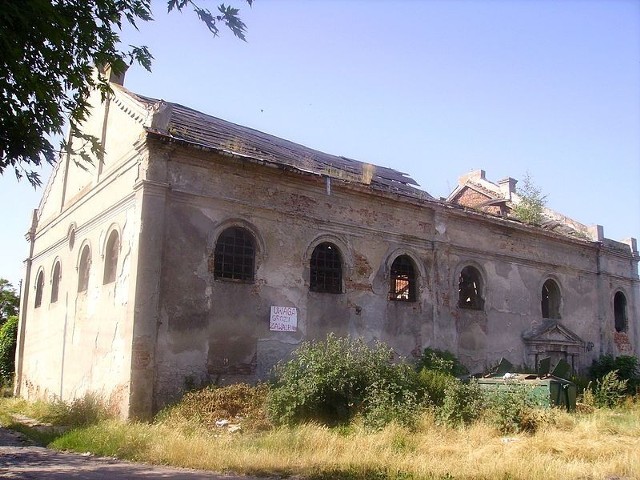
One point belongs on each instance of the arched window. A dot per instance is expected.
(234, 255)
(84, 268)
(550, 300)
(470, 289)
(111, 258)
(39, 289)
(55, 282)
(402, 285)
(326, 269)
(620, 312)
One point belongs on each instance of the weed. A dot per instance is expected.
(241, 403)
(608, 391)
(441, 361)
(463, 403)
(513, 409)
(334, 381)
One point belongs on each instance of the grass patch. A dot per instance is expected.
(600, 444)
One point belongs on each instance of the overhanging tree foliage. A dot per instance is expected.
(48, 52)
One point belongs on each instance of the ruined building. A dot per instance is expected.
(198, 251)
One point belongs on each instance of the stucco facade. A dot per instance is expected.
(407, 269)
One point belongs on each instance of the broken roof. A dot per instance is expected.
(184, 124)
(552, 220)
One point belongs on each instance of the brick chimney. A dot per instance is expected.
(474, 174)
(507, 187)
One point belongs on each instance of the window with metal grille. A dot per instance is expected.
(550, 304)
(84, 269)
(111, 258)
(402, 280)
(470, 289)
(55, 282)
(326, 269)
(39, 289)
(234, 255)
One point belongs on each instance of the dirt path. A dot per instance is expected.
(20, 458)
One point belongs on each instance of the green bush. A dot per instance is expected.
(434, 384)
(463, 403)
(606, 392)
(513, 409)
(334, 381)
(386, 402)
(8, 338)
(626, 366)
(441, 361)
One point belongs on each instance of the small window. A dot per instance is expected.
(470, 289)
(550, 300)
(620, 312)
(234, 255)
(402, 280)
(84, 269)
(111, 258)
(55, 282)
(39, 289)
(326, 269)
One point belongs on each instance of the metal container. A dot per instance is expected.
(547, 390)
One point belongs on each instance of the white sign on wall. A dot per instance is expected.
(283, 319)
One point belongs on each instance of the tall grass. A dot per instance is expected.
(598, 445)
(603, 444)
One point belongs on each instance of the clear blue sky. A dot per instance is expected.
(431, 88)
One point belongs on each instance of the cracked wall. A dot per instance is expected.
(217, 331)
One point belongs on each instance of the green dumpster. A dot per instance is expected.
(547, 390)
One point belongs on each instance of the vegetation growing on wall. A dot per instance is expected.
(532, 202)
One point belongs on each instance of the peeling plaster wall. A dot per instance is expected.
(215, 331)
(82, 342)
(166, 324)
(218, 331)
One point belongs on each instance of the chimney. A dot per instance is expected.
(507, 187)
(474, 174)
(113, 77)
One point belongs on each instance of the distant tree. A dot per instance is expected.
(9, 300)
(532, 202)
(8, 341)
(9, 304)
(49, 50)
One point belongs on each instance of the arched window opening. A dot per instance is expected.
(326, 269)
(55, 282)
(470, 289)
(402, 280)
(234, 255)
(111, 258)
(550, 300)
(39, 289)
(620, 312)
(84, 269)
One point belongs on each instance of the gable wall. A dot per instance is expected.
(82, 342)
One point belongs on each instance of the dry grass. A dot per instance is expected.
(603, 444)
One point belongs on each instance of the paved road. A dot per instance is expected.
(19, 458)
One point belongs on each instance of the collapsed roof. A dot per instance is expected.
(179, 123)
